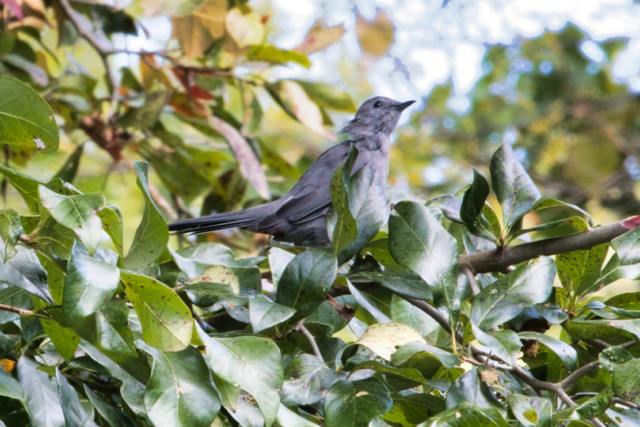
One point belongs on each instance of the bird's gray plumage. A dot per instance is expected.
(300, 215)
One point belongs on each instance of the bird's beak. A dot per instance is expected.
(402, 105)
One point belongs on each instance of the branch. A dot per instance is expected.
(500, 259)
(312, 341)
(21, 311)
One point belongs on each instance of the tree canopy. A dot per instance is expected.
(502, 289)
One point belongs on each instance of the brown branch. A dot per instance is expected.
(312, 341)
(500, 259)
(21, 311)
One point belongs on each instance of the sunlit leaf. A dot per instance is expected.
(245, 27)
(261, 373)
(25, 118)
(41, 395)
(166, 320)
(152, 233)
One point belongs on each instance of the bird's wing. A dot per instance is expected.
(310, 198)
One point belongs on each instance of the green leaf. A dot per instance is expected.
(286, 417)
(10, 232)
(470, 388)
(180, 391)
(265, 313)
(626, 382)
(261, 373)
(307, 380)
(505, 345)
(368, 206)
(77, 213)
(401, 378)
(345, 229)
(417, 350)
(514, 188)
(24, 270)
(627, 247)
(406, 313)
(152, 235)
(25, 185)
(112, 224)
(411, 409)
(510, 295)
(420, 243)
(356, 403)
(112, 415)
(74, 413)
(564, 351)
(89, 285)
(466, 414)
(328, 96)
(306, 280)
(9, 387)
(274, 55)
(579, 271)
(531, 411)
(612, 356)
(26, 120)
(473, 204)
(166, 320)
(400, 281)
(546, 203)
(131, 390)
(65, 340)
(41, 395)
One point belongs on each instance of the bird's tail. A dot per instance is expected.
(247, 219)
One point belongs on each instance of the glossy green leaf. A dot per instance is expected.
(25, 118)
(505, 345)
(152, 234)
(612, 356)
(77, 213)
(132, 390)
(10, 387)
(306, 279)
(401, 282)
(356, 403)
(307, 380)
(10, 232)
(473, 204)
(564, 351)
(531, 411)
(24, 270)
(180, 391)
(166, 320)
(41, 395)
(69, 169)
(345, 229)
(261, 374)
(112, 414)
(368, 206)
(25, 185)
(286, 417)
(112, 224)
(410, 409)
(74, 412)
(627, 247)
(265, 313)
(514, 188)
(626, 382)
(510, 295)
(89, 285)
(467, 414)
(420, 243)
(416, 350)
(406, 313)
(65, 339)
(470, 388)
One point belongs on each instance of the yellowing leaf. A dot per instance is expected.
(245, 28)
(303, 108)
(376, 36)
(196, 32)
(384, 338)
(320, 37)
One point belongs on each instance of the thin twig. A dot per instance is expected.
(312, 341)
(473, 284)
(583, 370)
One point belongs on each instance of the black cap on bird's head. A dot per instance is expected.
(378, 114)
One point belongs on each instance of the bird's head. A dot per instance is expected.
(376, 115)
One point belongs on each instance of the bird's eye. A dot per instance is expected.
(378, 104)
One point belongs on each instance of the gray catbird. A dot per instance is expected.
(300, 216)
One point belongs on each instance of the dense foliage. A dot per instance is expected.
(456, 312)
